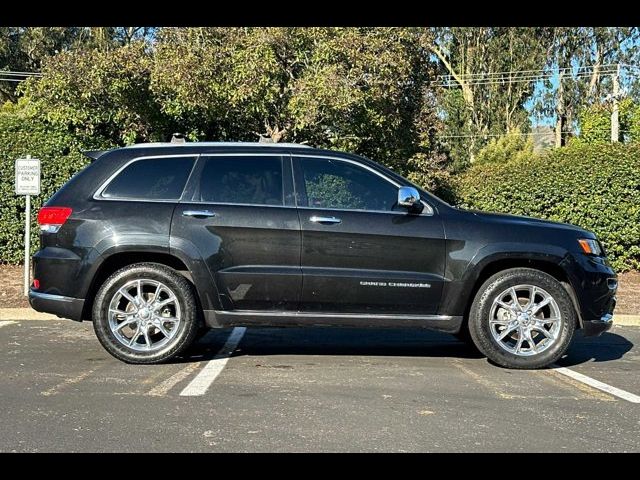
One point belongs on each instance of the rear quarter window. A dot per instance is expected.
(151, 179)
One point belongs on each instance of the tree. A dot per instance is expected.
(100, 93)
(574, 71)
(23, 50)
(595, 122)
(106, 38)
(512, 146)
(608, 45)
(357, 89)
(363, 90)
(490, 75)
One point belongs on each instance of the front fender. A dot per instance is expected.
(459, 287)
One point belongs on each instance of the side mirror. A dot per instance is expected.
(409, 198)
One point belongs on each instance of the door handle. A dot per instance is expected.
(325, 220)
(198, 213)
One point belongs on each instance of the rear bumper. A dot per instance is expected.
(593, 328)
(65, 307)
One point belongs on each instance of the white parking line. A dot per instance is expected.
(4, 323)
(629, 397)
(172, 381)
(212, 369)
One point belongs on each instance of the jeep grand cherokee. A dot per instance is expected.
(157, 242)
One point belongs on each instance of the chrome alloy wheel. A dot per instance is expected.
(144, 315)
(525, 320)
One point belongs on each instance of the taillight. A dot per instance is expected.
(51, 219)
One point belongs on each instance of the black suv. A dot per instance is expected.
(157, 242)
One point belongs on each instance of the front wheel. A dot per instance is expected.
(145, 313)
(522, 318)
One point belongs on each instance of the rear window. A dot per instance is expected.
(151, 179)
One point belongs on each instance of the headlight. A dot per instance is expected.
(590, 246)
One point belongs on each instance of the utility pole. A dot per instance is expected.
(615, 112)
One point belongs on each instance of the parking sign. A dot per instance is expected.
(27, 176)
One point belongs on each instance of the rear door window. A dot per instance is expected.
(240, 179)
(161, 178)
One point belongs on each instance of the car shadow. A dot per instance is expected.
(605, 348)
(333, 341)
(382, 342)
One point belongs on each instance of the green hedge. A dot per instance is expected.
(61, 157)
(596, 187)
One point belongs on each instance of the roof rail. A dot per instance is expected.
(218, 144)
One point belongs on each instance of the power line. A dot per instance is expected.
(513, 80)
(13, 76)
(14, 72)
(531, 78)
(542, 70)
(531, 134)
(515, 76)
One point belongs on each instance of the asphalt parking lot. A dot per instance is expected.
(339, 390)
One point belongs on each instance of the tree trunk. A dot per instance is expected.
(467, 92)
(560, 112)
(594, 82)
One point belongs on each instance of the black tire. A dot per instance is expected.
(187, 329)
(480, 312)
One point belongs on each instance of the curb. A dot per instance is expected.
(21, 314)
(627, 320)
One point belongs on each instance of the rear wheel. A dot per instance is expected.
(145, 313)
(522, 318)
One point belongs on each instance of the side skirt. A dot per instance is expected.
(219, 319)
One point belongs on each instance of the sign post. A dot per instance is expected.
(27, 183)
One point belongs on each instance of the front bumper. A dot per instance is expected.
(594, 328)
(64, 307)
(595, 285)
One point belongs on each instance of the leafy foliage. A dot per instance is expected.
(596, 187)
(25, 49)
(59, 152)
(486, 94)
(101, 94)
(510, 147)
(595, 122)
(356, 89)
(330, 191)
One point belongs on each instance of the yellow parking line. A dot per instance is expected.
(66, 382)
(162, 389)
